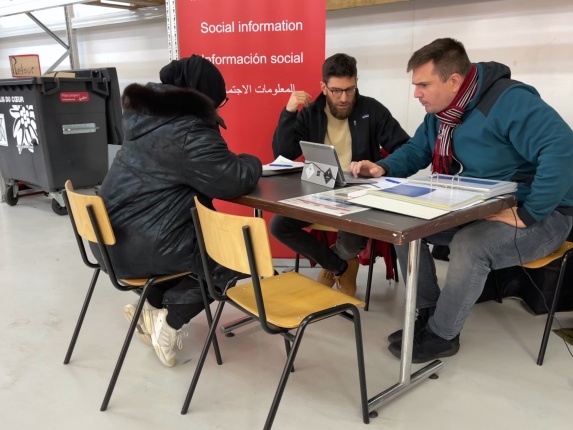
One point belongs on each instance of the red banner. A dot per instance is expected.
(265, 49)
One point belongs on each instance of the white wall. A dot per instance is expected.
(138, 48)
(534, 38)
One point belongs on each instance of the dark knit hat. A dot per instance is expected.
(197, 73)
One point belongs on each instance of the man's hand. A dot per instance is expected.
(366, 168)
(508, 216)
(298, 98)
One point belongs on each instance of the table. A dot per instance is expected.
(394, 228)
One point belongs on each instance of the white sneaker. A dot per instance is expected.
(142, 332)
(163, 336)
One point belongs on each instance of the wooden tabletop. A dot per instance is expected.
(377, 224)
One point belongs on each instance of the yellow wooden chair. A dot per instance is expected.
(563, 253)
(90, 221)
(280, 303)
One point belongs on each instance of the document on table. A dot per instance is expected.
(333, 202)
(282, 165)
(415, 200)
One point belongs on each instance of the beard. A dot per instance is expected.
(340, 113)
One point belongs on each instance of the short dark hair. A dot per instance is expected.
(448, 55)
(339, 65)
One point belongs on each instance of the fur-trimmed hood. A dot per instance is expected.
(167, 100)
(147, 107)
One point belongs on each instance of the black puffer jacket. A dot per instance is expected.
(172, 152)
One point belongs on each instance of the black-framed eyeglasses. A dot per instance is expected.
(223, 103)
(337, 92)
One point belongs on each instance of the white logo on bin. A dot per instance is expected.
(3, 135)
(25, 128)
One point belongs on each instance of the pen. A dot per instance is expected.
(280, 165)
(387, 179)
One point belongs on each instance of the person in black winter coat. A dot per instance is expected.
(359, 127)
(172, 152)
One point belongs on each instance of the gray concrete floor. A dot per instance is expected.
(492, 383)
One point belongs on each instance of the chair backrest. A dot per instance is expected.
(79, 204)
(225, 242)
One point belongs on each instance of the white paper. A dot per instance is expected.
(283, 164)
(333, 202)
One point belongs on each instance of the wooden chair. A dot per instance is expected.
(90, 221)
(563, 253)
(324, 229)
(280, 303)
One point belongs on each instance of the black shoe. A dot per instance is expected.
(421, 321)
(428, 346)
(441, 252)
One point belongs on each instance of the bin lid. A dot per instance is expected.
(38, 80)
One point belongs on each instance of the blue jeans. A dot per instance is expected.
(475, 249)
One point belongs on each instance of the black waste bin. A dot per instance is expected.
(53, 129)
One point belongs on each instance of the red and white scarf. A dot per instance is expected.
(450, 118)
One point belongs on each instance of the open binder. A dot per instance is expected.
(418, 200)
(487, 187)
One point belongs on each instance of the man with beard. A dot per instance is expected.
(359, 127)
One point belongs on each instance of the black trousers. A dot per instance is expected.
(178, 314)
(290, 232)
(183, 298)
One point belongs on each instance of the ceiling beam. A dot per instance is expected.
(347, 4)
(23, 6)
(127, 4)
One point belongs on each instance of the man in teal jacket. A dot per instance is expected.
(480, 123)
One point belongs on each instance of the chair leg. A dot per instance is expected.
(296, 262)
(551, 314)
(287, 347)
(82, 316)
(210, 321)
(370, 271)
(284, 377)
(201, 361)
(125, 347)
(361, 367)
(290, 361)
(394, 262)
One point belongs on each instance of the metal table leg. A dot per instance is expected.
(407, 380)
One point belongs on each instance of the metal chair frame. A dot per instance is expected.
(120, 284)
(292, 342)
(564, 252)
(553, 309)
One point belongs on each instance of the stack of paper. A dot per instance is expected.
(487, 187)
(282, 165)
(420, 201)
(333, 202)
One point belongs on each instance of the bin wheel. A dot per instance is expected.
(59, 210)
(11, 199)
